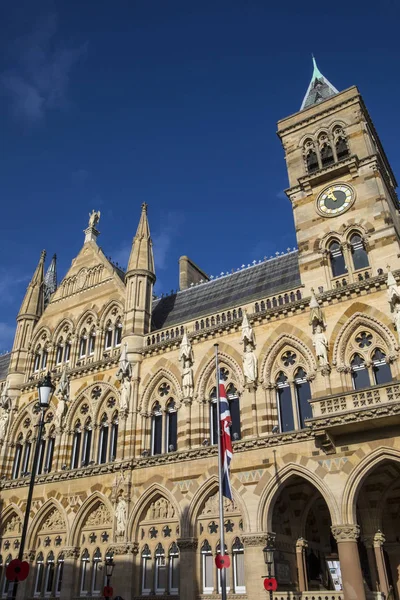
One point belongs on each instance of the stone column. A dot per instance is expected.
(254, 565)
(369, 545)
(188, 577)
(352, 579)
(184, 424)
(379, 540)
(301, 546)
(70, 582)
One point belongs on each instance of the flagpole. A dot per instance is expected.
(221, 498)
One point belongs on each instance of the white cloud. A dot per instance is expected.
(39, 78)
(7, 333)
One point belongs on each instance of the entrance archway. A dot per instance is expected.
(306, 552)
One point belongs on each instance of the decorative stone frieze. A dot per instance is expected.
(121, 549)
(187, 544)
(258, 539)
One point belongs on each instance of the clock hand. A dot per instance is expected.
(331, 195)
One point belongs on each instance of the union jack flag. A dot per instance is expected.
(226, 442)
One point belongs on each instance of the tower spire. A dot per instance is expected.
(319, 89)
(33, 302)
(50, 280)
(141, 256)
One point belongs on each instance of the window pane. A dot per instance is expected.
(39, 578)
(214, 423)
(161, 583)
(174, 572)
(49, 577)
(103, 445)
(172, 431)
(50, 453)
(25, 465)
(108, 339)
(87, 443)
(60, 572)
(118, 335)
(85, 576)
(59, 355)
(381, 368)
(114, 441)
(208, 571)
(360, 256)
(303, 396)
(67, 352)
(285, 408)
(148, 583)
(76, 450)
(82, 347)
(97, 577)
(239, 570)
(234, 408)
(337, 260)
(157, 434)
(359, 373)
(17, 461)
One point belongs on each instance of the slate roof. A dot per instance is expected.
(319, 89)
(256, 282)
(4, 362)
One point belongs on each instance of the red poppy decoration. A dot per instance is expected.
(270, 584)
(222, 562)
(17, 570)
(107, 591)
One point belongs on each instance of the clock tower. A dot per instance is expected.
(342, 188)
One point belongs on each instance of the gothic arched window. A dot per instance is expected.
(380, 367)
(85, 572)
(114, 438)
(83, 344)
(173, 569)
(39, 574)
(59, 354)
(108, 338)
(359, 254)
(87, 442)
(156, 429)
(117, 334)
(207, 568)
(36, 362)
(92, 341)
(161, 570)
(5, 584)
(312, 161)
(303, 395)
(59, 574)
(338, 264)
(234, 409)
(103, 440)
(342, 150)
(171, 427)
(239, 585)
(67, 351)
(284, 401)
(97, 576)
(17, 458)
(359, 373)
(49, 575)
(327, 157)
(147, 579)
(76, 445)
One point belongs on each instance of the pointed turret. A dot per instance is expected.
(29, 314)
(319, 89)
(33, 302)
(141, 256)
(140, 277)
(50, 280)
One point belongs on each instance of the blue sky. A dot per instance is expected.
(106, 105)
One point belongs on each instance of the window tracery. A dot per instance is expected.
(368, 360)
(164, 420)
(232, 395)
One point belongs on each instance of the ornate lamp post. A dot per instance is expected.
(45, 393)
(109, 571)
(269, 552)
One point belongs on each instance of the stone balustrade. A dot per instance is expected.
(355, 400)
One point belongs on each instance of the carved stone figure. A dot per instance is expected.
(60, 412)
(317, 316)
(247, 332)
(63, 386)
(160, 509)
(186, 358)
(4, 417)
(250, 368)
(98, 517)
(54, 521)
(393, 291)
(121, 515)
(124, 375)
(94, 218)
(321, 346)
(125, 395)
(5, 401)
(397, 320)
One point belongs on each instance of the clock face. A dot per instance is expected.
(335, 199)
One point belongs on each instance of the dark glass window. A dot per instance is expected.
(337, 260)
(303, 393)
(76, 445)
(172, 427)
(214, 418)
(92, 343)
(326, 155)
(82, 346)
(114, 440)
(312, 161)
(37, 362)
(42, 450)
(156, 430)
(108, 338)
(118, 335)
(17, 461)
(103, 441)
(49, 456)
(59, 354)
(44, 359)
(67, 352)
(359, 373)
(341, 149)
(234, 409)
(359, 254)
(87, 443)
(381, 368)
(285, 408)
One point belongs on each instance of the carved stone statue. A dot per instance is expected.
(94, 218)
(397, 321)
(121, 515)
(4, 417)
(63, 386)
(393, 291)
(125, 395)
(60, 412)
(124, 375)
(5, 401)
(247, 332)
(186, 358)
(320, 343)
(317, 316)
(250, 368)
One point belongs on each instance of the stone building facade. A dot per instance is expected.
(309, 351)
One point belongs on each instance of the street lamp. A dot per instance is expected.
(109, 571)
(269, 552)
(45, 393)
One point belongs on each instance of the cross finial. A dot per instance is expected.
(144, 207)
